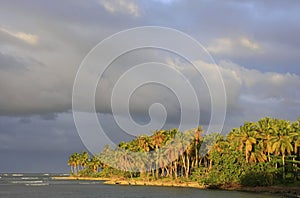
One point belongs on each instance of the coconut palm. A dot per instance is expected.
(257, 154)
(197, 141)
(84, 159)
(157, 140)
(73, 161)
(265, 132)
(295, 135)
(247, 136)
(144, 143)
(94, 163)
(282, 141)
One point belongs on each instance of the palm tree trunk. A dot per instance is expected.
(295, 170)
(187, 167)
(76, 168)
(167, 171)
(175, 169)
(193, 163)
(200, 161)
(171, 171)
(197, 156)
(210, 164)
(152, 170)
(184, 165)
(283, 167)
(156, 162)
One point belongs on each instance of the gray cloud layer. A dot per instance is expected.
(42, 44)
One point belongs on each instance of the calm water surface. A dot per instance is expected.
(41, 186)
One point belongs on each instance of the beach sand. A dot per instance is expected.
(285, 191)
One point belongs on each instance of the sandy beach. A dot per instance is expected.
(285, 191)
(80, 178)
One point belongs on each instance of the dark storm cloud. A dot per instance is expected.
(69, 34)
(33, 144)
(25, 120)
(49, 116)
(10, 63)
(31, 133)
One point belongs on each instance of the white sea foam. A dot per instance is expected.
(27, 182)
(87, 183)
(29, 178)
(41, 184)
(17, 175)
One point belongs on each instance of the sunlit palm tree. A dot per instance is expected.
(265, 132)
(247, 137)
(95, 163)
(282, 142)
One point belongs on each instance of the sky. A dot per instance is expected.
(255, 45)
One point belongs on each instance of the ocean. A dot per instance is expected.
(42, 186)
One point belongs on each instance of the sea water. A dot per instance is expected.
(42, 186)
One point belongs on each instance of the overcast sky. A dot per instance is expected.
(255, 44)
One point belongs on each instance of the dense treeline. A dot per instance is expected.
(266, 152)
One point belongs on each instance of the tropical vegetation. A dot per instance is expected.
(262, 153)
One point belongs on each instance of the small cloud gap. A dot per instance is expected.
(30, 39)
(121, 7)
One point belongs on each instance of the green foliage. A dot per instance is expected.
(228, 167)
(110, 172)
(253, 178)
(261, 174)
(260, 153)
(199, 175)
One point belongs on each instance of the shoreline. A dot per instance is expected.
(155, 183)
(278, 190)
(80, 178)
(119, 181)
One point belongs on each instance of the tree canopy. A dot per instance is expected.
(265, 152)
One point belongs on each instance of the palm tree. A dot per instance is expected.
(295, 135)
(95, 163)
(198, 138)
(84, 159)
(143, 143)
(247, 137)
(257, 154)
(282, 142)
(74, 162)
(170, 151)
(218, 145)
(71, 163)
(265, 132)
(157, 140)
